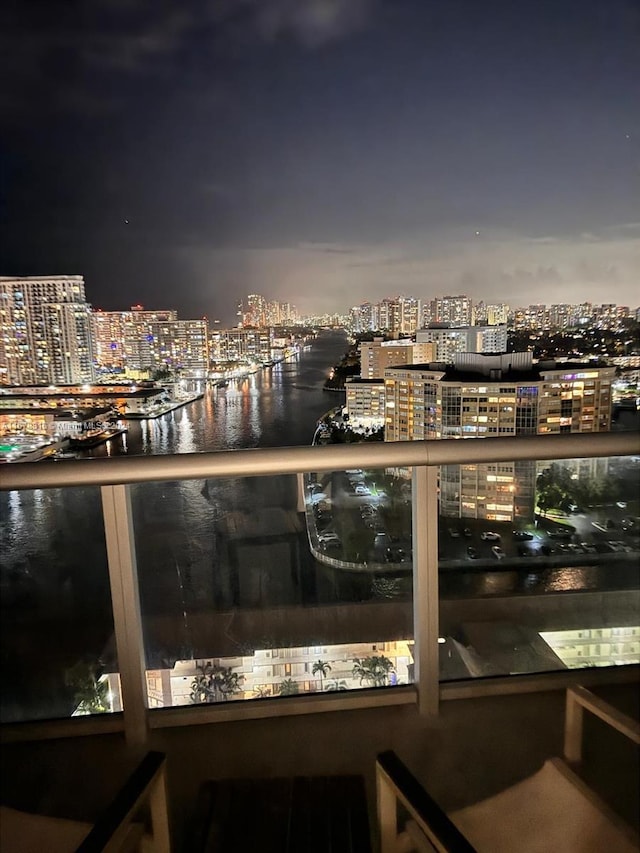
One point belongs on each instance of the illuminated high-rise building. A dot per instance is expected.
(245, 345)
(109, 332)
(481, 396)
(361, 317)
(46, 331)
(389, 315)
(140, 344)
(455, 310)
(125, 340)
(182, 345)
(496, 315)
(254, 311)
(410, 315)
(257, 312)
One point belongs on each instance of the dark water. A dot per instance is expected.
(275, 407)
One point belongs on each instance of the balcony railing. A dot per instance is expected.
(120, 515)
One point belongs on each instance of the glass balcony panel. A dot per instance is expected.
(59, 657)
(271, 586)
(538, 566)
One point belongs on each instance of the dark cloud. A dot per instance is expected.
(51, 52)
(332, 150)
(310, 22)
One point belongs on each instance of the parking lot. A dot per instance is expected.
(365, 517)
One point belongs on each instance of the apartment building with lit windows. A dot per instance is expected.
(183, 345)
(127, 340)
(230, 345)
(108, 334)
(365, 400)
(497, 315)
(377, 355)
(456, 310)
(450, 340)
(481, 396)
(45, 326)
(256, 312)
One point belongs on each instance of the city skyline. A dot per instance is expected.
(327, 152)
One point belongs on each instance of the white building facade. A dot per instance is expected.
(46, 331)
(495, 395)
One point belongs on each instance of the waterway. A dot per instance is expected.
(275, 407)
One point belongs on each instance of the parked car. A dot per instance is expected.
(588, 548)
(490, 536)
(395, 555)
(453, 533)
(472, 552)
(367, 511)
(498, 553)
(522, 534)
(361, 490)
(621, 504)
(328, 536)
(467, 532)
(560, 534)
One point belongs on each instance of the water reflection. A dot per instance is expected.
(578, 577)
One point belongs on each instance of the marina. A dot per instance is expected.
(157, 411)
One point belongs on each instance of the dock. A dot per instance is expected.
(161, 410)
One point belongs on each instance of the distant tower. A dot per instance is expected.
(46, 327)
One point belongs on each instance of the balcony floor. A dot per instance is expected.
(475, 748)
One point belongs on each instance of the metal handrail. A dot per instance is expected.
(292, 460)
(396, 784)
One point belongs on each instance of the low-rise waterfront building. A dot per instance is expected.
(44, 410)
(365, 401)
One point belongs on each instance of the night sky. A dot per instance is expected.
(323, 152)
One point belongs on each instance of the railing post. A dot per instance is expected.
(301, 505)
(127, 620)
(387, 809)
(573, 718)
(425, 586)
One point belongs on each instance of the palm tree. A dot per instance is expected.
(90, 691)
(214, 682)
(335, 685)
(288, 687)
(228, 682)
(322, 668)
(374, 669)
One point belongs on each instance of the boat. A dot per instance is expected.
(94, 437)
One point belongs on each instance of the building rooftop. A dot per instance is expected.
(479, 365)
